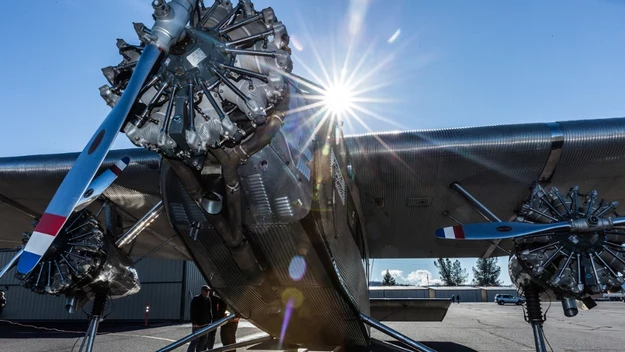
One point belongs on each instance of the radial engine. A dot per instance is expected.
(83, 264)
(216, 86)
(218, 97)
(588, 259)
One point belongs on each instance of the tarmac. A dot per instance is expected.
(467, 327)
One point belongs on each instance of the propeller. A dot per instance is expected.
(505, 230)
(101, 183)
(170, 21)
(11, 262)
(80, 175)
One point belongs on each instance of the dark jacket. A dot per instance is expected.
(201, 310)
(219, 308)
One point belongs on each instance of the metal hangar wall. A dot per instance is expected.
(167, 287)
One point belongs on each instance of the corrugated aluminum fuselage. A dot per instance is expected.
(302, 219)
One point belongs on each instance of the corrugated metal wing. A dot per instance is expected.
(497, 164)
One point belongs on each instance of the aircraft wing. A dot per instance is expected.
(27, 183)
(404, 178)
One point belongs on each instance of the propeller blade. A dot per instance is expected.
(80, 175)
(618, 221)
(101, 183)
(498, 230)
(11, 263)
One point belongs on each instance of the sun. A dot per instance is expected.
(338, 99)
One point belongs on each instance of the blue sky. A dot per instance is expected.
(450, 64)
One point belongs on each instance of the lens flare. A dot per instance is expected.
(287, 316)
(338, 99)
(297, 268)
(347, 77)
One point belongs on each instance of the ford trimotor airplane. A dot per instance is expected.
(281, 212)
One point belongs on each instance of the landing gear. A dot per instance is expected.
(97, 315)
(534, 316)
(412, 344)
(203, 331)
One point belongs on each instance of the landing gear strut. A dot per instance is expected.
(535, 316)
(97, 315)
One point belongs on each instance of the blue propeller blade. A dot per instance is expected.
(498, 230)
(84, 169)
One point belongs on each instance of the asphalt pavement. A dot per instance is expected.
(467, 327)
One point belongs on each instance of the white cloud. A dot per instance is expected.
(417, 277)
(394, 273)
(422, 278)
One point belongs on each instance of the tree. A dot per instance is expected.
(486, 272)
(388, 279)
(451, 274)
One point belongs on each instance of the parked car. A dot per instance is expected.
(503, 299)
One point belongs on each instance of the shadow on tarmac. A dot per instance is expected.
(435, 345)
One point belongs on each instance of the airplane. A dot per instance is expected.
(241, 171)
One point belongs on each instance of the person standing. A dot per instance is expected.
(3, 302)
(214, 304)
(228, 332)
(201, 316)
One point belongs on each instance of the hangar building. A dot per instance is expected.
(167, 287)
(466, 293)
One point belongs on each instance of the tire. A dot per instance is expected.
(518, 303)
(500, 303)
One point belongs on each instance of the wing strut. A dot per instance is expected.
(482, 210)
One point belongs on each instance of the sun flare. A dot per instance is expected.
(338, 99)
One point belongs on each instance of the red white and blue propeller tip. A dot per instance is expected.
(498, 230)
(50, 224)
(76, 182)
(452, 232)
